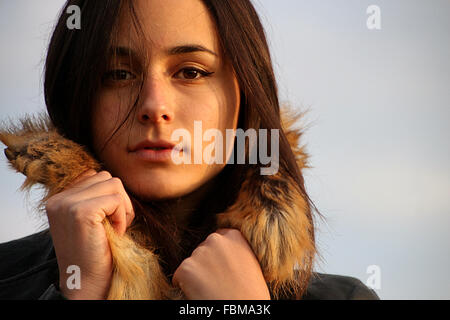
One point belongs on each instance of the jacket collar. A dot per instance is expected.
(272, 211)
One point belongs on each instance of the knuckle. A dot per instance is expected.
(186, 266)
(200, 250)
(76, 211)
(82, 177)
(230, 233)
(214, 237)
(180, 274)
(105, 174)
(116, 182)
(50, 205)
(235, 233)
(89, 173)
(117, 197)
(54, 205)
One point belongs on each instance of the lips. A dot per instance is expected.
(154, 151)
(158, 145)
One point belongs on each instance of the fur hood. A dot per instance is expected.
(271, 212)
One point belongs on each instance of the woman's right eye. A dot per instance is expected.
(119, 75)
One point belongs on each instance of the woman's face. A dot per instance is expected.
(176, 91)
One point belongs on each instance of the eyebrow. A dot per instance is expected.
(188, 48)
(178, 50)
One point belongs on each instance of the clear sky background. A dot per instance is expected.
(378, 128)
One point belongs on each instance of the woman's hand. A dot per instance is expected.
(223, 267)
(75, 217)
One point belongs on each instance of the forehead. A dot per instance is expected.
(167, 23)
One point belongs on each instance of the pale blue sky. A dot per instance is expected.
(378, 127)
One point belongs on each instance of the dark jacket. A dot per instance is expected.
(29, 270)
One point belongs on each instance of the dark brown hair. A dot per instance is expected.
(77, 59)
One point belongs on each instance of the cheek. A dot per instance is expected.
(230, 106)
(214, 119)
(202, 108)
(109, 112)
(217, 109)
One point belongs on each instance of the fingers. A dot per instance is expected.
(175, 281)
(228, 231)
(213, 244)
(113, 207)
(95, 210)
(215, 268)
(93, 185)
(100, 185)
(182, 272)
(80, 181)
(233, 234)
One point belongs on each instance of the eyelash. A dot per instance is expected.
(110, 74)
(204, 74)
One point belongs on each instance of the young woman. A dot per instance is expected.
(121, 85)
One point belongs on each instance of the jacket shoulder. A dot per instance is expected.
(337, 287)
(27, 266)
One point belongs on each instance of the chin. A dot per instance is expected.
(152, 189)
(162, 183)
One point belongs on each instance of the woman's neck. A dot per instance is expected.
(183, 208)
(176, 226)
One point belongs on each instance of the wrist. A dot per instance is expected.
(88, 290)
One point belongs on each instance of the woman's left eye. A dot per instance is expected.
(193, 73)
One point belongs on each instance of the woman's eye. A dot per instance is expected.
(119, 75)
(193, 73)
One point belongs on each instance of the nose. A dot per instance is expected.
(156, 105)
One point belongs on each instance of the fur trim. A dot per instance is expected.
(270, 211)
